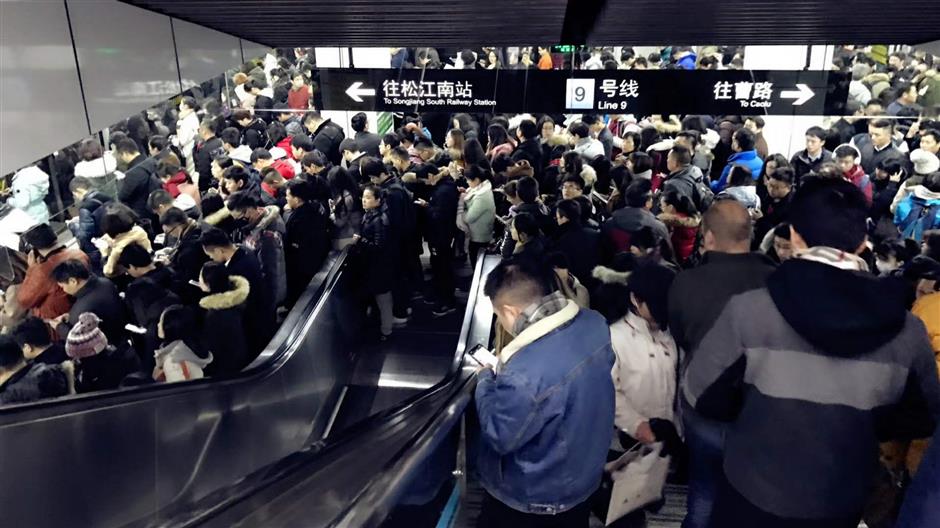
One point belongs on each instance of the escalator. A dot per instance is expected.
(130, 456)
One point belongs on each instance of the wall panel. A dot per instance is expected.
(253, 50)
(127, 59)
(40, 99)
(203, 53)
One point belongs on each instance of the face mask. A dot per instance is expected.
(884, 267)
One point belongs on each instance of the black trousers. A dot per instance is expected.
(442, 274)
(495, 514)
(475, 249)
(733, 510)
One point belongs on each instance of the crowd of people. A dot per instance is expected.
(665, 279)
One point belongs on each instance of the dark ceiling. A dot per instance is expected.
(288, 23)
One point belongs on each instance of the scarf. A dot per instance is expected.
(535, 312)
(833, 257)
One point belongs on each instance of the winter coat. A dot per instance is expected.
(306, 245)
(779, 359)
(203, 154)
(871, 157)
(547, 413)
(265, 240)
(861, 180)
(368, 143)
(502, 149)
(224, 330)
(539, 212)
(90, 212)
(261, 307)
(187, 257)
(374, 249)
(775, 212)
(918, 212)
(106, 369)
(689, 182)
(179, 363)
(582, 246)
(139, 181)
(37, 381)
(255, 135)
(531, 151)
(682, 232)
(710, 286)
(100, 297)
(187, 131)
(644, 372)
(39, 292)
(803, 165)
(480, 212)
(399, 206)
(327, 138)
(115, 247)
(746, 195)
(920, 503)
(626, 221)
(589, 148)
(29, 188)
(749, 159)
(347, 220)
(442, 213)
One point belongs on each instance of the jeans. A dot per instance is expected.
(705, 439)
(495, 514)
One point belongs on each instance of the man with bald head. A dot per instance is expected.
(696, 299)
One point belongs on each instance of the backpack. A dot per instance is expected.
(924, 215)
(702, 195)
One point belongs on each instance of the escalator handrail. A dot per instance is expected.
(288, 338)
(382, 493)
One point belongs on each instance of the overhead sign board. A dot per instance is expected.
(641, 92)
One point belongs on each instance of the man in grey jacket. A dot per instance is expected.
(814, 370)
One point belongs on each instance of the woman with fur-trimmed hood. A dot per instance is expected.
(224, 324)
(120, 228)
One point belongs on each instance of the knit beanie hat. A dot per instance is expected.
(85, 339)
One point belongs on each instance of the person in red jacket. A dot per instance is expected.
(39, 292)
(262, 159)
(683, 220)
(847, 157)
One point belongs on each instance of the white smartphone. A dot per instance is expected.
(483, 356)
(135, 329)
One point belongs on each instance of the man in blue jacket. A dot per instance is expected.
(743, 142)
(547, 408)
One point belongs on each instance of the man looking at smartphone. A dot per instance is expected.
(546, 408)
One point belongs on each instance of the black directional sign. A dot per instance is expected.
(639, 92)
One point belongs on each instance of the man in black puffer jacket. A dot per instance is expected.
(442, 223)
(140, 179)
(326, 135)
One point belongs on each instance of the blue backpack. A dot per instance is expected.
(923, 215)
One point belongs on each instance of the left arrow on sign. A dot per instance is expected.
(802, 94)
(356, 90)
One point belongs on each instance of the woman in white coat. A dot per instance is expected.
(28, 192)
(644, 372)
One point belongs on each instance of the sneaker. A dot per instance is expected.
(399, 322)
(443, 310)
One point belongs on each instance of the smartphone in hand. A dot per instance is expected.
(483, 357)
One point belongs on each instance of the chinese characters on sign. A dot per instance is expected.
(612, 89)
(430, 93)
(749, 94)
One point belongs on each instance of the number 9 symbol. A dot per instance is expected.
(579, 93)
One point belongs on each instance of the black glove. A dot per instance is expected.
(665, 432)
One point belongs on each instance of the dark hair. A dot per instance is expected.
(276, 132)
(901, 249)
(216, 276)
(32, 331)
(575, 179)
(681, 202)
(70, 269)
(934, 133)
(881, 123)
(590, 119)
(693, 136)
(231, 135)
(682, 155)
(829, 212)
(377, 192)
(242, 200)
(391, 140)
(349, 144)
(10, 353)
(422, 142)
(339, 180)
(779, 160)
(159, 198)
(372, 167)
(478, 172)
(359, 122)
(214, 237)
(784, 174)
(89, 149)
(135, 255)
(118, 218)
(169, 166)
(526, 224)
(638, 193)
(528, 129)
(745, 138)
(158, 142)
(569, 209)
(496, 135)
(315, 159)
(846, 151)
(782, 230)
(473, 153)
(693, 123)
(240, 114)
(237, 174)
(179, 324)
(650, 284)
(758, 120)
(190, 102)
(302, 142)
(527, 189)
(524, 281)
(739, 176)
(260, 153)
(641, 162)
(174, 216)
(41, 236)
(127, 146)
(891, 166)
(817, 131)
(312, 115)
(300, 189)
(579, 129)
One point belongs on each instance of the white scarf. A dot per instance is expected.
(833, 257)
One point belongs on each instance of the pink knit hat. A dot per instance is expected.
(85, 339)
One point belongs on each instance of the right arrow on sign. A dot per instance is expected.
(802, 94)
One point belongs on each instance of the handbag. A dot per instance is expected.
(639, 477)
